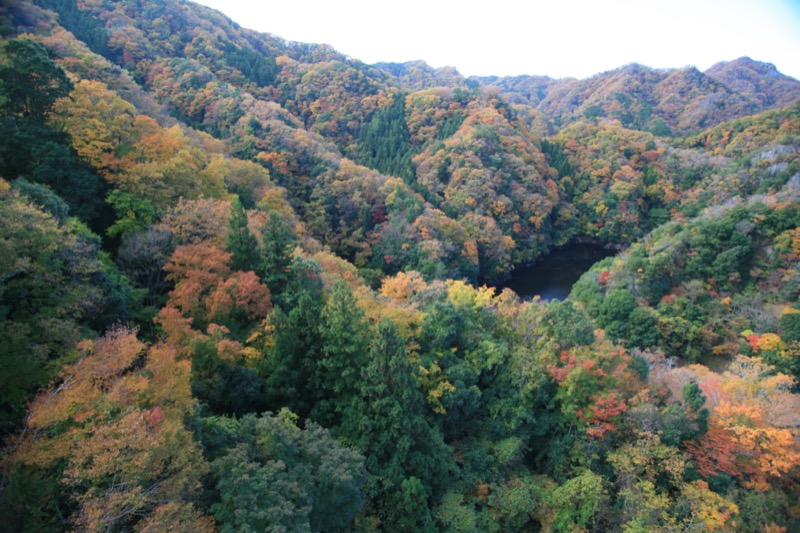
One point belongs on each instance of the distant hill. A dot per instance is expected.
(417, 75)
(759, 81)
(662, 101)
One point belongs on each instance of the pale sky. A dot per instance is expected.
(557, 38)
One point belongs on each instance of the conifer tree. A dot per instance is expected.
(242, 244)
(290, 366)
(276, 253)
(343, 357)
(388, 425)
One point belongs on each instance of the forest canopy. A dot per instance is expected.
(249, 285)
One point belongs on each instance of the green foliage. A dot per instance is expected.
(79, 185)
(276, 476)
(659, 127)
(224, 387)
(385, 142)
(473, 411)
(642, 328)
(141, 258)
(694, 398)
(289, 367)
(55, 288)
(30, 85)
(242, 244)
(557, 158)
(85, 26)
(412, 507)
(278, 241)
(790, 326)
(389, 427)
(589, 292)
(255, 66)
(578, 501)
(134, 213)
(30, 81)
(453, 514)
(343, 357)
(43, 197)
(614, 312)
(450, 126)
(569, 325)
(759, 509)
(33, 500)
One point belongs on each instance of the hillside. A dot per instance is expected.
(243, 287)
(664, 102)
(758, 81)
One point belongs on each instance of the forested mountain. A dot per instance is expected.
(242, 287)
(760, 82)
(661, 101)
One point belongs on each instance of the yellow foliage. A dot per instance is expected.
(709, 510)
(250, 355)
(405, 317)
(402, 286)
(462, 294)
(622, 189)
(770, 341)
(435, 395)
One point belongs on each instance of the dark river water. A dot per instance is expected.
(553, 277)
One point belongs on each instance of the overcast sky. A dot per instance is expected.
(557, 38)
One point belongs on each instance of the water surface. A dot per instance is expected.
(553, 277)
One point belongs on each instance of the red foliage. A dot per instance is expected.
(154, 417)
(603, 411)
(206, 289)
(753, 341)
(242, 292)
(570, 362)
(715, 453)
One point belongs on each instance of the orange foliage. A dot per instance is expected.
(753, 414)
(120, 434)
(206, 289)
(241, 292)
(402, 286)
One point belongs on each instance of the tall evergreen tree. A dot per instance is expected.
(242, 244)
(84, 25)
(276, 253)
(290, 365)
(274, 476)
(389, 426)
(344, 355)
